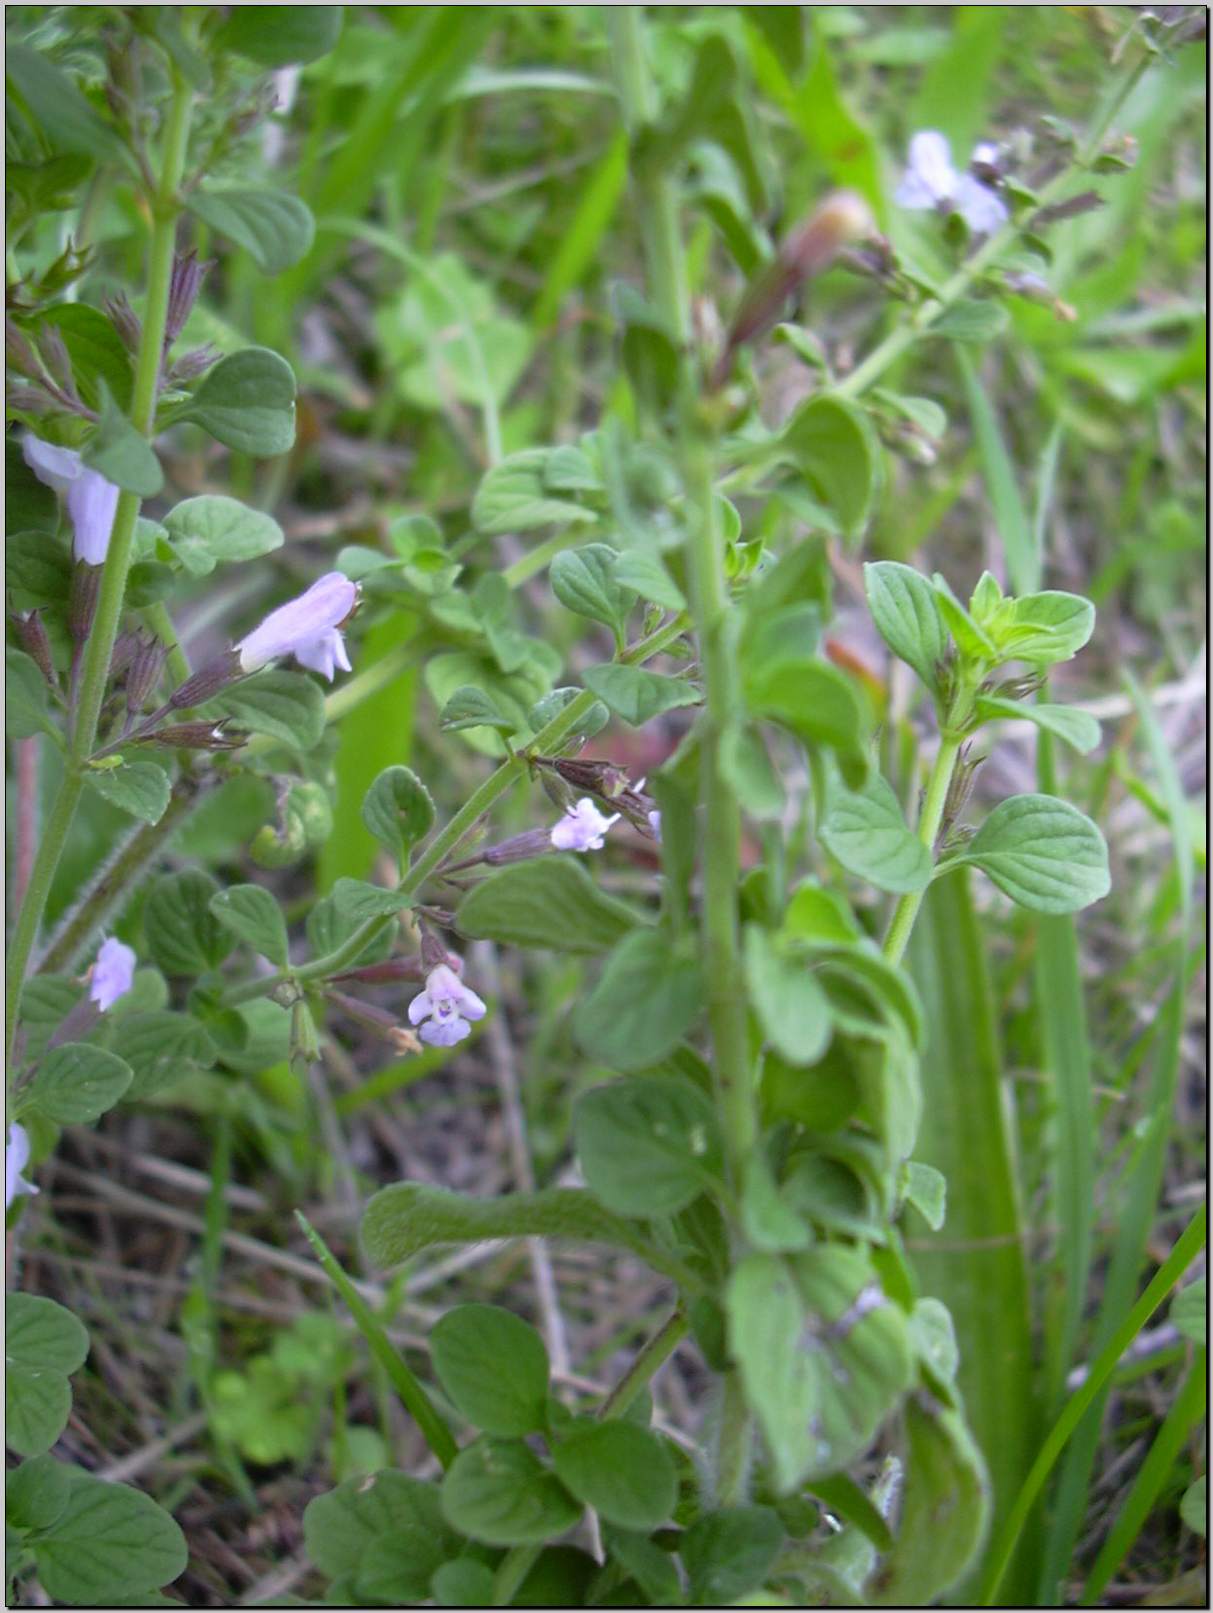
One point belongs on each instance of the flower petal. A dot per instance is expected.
(420, 1008)
(53, 466)
(444, 1032)
(304, 627)
(112, 974)
(981, 209)
(931, 162)
(91, 502)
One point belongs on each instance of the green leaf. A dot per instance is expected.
(253, 914)
(43, 1343)
(247, 402)
(211, 529)
(25, 712)
(498, 1491)
(462, 1583)
(403, 1219)
(824, 1356)
(729, 1553)
(37, 570)
(398, 810)
(76, 1083)
(646, 1000)
(644, 573)
(834, 447)
(286, 706)
(340, 1529)
(1077, 728)
(816, 914)
(792, 1009)
(745, 764)
(623, 1471)
(160, 1047)
(110, 1542)
(865, 831)
(1042, 852)
(273, 38)
(36, 1493)
(494, 1368)
(933, 1334)
(927, 1190)
(275, 227)
(820, 706)
(470, 707)
(1189, 1311)
(1194, 1506)
(584, 581)
(182, 934)
(358, 900)
(549, 903)
(1046, 628)
(549, 708)
(906, 613)
(944, 1511)
(971, 321)
(140, 788)
(516, 497)
(59, 108)
(121, 452)
(648, 1145)
(821, 1098)
(96, 352)
(637, 695)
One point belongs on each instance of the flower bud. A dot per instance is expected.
(36, 644)
(391, 969)
(147, 663)
(185, 281)
(208, 681)
(193, 364)
(125, 321)
(198, 736)
(82, 600)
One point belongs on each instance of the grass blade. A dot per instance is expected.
(424, 1413)
(1190, 1243)
(583, 236)
(1010, 512)
(1186, 1411)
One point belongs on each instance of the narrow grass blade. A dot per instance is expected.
(976, 1265)
(1142, 1182)
(1186, 1411)
(585, 230)
(424, 1413)
(1010, 512)
(1168, 1274)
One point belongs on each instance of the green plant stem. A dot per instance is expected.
(477, 804)
(651, 1358)
(95, 670)
(733, 1465)
(161, 623)
(1165, 1278)
(906, 910)
(514, 1568)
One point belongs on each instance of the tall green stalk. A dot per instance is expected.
(95, 669)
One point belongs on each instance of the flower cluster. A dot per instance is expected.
(91, 498)
(930, 181)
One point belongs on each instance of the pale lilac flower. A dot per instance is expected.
(582, 827)
(655, 824)
(443, 1009)
(930, 181)
(91, 498)
(308, 628)
(112, 974)
(16, 1157)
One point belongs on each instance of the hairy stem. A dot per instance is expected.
(645, 1367)
(95, 669)
(906, 910)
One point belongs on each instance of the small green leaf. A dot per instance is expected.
(1042, 852)
(470, 707)
(971, 321)
(247, 402)
(37, 570)
(275, 227)
(833, 445)
(820, 706)
(584, 581)
(286, 706)
(76, 1083)
(516, 496)
(865, 831)
(498, 1491)
(358, 900)
(273, 38)
(210, 530)
(546, 710)
(61, 110)
(637, 695)
(729, 1553)
(182, 934)
(462, 1583)
(792, 1009)
(36, 1493)
(340, 1528)
(494, 1367)
(646, 1000)
(25, 712)
(906, 613)
(644, 573)
(927, 1190)
(1076, 728)
(1189, 1311)
(821, 1098)
(648, 1145)
(548, 903)
(972, 642)
(1047, 628)
(252, 914)
(160, 1047)
(140, 788)
(110, 1543)
(43, 1343)
(745, 764)
(95, 350)
(815, 914)
(623, 1471)
(398, 810)
(1194, 1506)
(121, 453)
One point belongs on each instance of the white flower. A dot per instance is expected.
(930, 181)
(582, 827)
(91, 498)
(308, 628)
(443, 1009)
(112, 974)
(16, 1156)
